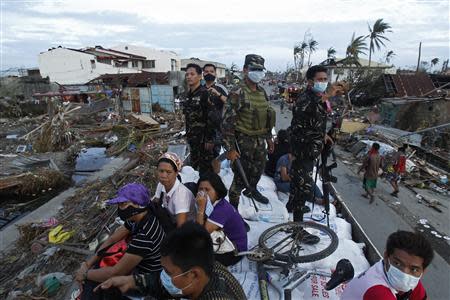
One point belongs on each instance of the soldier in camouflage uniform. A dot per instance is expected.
(247, 124)
(199, 131)
(308, 127)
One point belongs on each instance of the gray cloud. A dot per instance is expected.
(29, 28)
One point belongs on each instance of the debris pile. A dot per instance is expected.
(48, 252)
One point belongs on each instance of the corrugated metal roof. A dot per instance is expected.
(132, 79)
(405, 85)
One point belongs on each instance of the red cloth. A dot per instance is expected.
(380, 292)
(112, 256)
(400, 166)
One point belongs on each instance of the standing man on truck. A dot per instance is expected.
(247, 125)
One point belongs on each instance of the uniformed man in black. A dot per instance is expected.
(308, 127)
(196, 107)
(218, 96)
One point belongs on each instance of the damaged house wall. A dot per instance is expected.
(70, 66)
(412, 114)
(23, 87)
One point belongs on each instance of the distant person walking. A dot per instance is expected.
(399, 168)
(371, 165)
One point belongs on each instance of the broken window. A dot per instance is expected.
(148, 64)
(104, 61)
(134, 64)
(92, 63)
(173, 64)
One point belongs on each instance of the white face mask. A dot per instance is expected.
(401, 281)
(320, 87)
(256, 76)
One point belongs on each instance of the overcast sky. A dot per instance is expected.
(222, 31)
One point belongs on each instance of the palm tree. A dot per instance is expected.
(389, 55)
(312, 47)
(299, 56)
(434, 62)
(331, 53)
(356, 47)
(376, 36)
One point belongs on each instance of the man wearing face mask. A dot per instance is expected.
(397, 276)
(189, 270)
(145, 236)
(247, 124)
(308, 127)
(218, 95)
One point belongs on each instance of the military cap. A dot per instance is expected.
(254, 61)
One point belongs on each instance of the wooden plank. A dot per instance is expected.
(146, 119)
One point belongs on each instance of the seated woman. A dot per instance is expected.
(175, 196)
(219, 214)
(144, 235)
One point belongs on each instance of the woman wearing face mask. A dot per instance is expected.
(215, 213)
(175, 196)
(143, 248)
(399, 274)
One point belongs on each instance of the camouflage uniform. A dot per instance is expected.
(198, 129)
(308, 127)
(247, 122)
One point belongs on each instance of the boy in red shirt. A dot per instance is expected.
(397, 276)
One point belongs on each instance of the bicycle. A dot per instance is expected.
(284, 245)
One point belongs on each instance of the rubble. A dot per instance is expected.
(84, 220)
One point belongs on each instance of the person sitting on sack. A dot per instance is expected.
(175, 196)
(189, 270)
(141, 252)
(398, 275)
(220, 219)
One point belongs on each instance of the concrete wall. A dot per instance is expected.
(66, 66)
(163, 59)
(415, 115)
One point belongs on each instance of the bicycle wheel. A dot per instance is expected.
(285, 242)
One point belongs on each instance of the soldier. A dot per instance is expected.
(195, 109)
(218, 95)
(248, 121)
(308, 127)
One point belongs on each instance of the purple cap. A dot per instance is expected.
(134, 192)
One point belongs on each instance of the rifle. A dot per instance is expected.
(241, 172)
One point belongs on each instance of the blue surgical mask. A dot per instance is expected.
(320, 87)
(167, 282)
(401, 281)
(256, 76)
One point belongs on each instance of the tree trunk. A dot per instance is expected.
(418, 59)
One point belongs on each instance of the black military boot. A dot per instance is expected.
(308, 238)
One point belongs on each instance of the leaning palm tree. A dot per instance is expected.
(376, 36)
(312, 47)
(331, 53)
(389, 55)
(434, 62)
(299, 56)
(356, 47)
